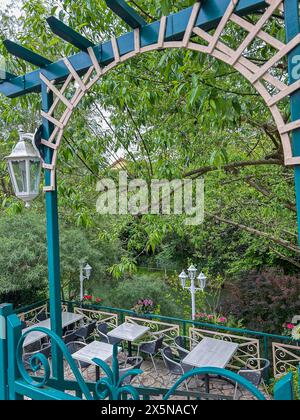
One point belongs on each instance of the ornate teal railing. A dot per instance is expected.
(20, 383)
(265, 339)
(16, 383)
(268, 343)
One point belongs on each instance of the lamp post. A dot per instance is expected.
(85, 274)
(192, 273)
(24, 165)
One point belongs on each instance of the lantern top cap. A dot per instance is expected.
(24, 148)
(88, 267)
(183, 275)
(192, 269)
(202, 276)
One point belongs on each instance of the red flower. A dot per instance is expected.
(98, 300)
(88, 297)
(290, 326)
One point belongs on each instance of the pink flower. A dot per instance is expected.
(210, 317)
(222, 319)
(98, 300)
(290, 326)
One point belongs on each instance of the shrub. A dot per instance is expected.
(264, 300)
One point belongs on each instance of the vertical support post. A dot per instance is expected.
(5, 310)
(292, 25)
(193, 293)
(53, 247)
(81, 284)
(14, 332)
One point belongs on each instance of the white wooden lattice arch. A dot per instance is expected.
(272, 88)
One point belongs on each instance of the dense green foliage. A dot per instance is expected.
(265, 300)
(23, 258)
(174, 114)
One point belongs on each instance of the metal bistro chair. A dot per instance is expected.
(27, 355)
(69, 336)
(173, 364)
(74, 347)
(152, 349)
(86, 331)
(184, 345)
(256, 371)
(130, 364)
(102, 330)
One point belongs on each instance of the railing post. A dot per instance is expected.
(5, 310)
(14, 332)
(266, 355)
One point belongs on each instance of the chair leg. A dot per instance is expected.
(186, 386)
(235, 391)
(154, 365)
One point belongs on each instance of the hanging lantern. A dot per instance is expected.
(88, 271)
(192, 272)
(24, 165)
(202, 281)
(183, 277)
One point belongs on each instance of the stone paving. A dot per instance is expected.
(150, 379)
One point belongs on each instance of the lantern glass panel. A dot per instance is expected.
(35, 168)
(19, 169)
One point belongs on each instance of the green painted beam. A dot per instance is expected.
(68, 34)
(5, 75)
(126, 13)
(210, 15)
(25, 54)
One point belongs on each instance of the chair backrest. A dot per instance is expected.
(179, 341)
(68, 338)
(91, 328)
(135, 363)
(252, 376)
(169, 360)
(75, 346)
(102, 328)
(255, 370)
(46, 351)
(159, 343)
(42, 316)
(32, 348)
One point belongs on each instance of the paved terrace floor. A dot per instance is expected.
(149, 379)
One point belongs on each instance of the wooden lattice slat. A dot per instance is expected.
(269, 86)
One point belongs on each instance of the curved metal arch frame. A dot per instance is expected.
(223, 373)
(257, 76)
(112, 386)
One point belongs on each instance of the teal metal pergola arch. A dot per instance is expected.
(179, 30)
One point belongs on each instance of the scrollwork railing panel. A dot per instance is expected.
(157, 329)
(248, 347)
(285, 358)
(30, 317)
(98, 316)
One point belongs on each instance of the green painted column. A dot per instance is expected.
(291, 10)
(53, 247)
(5, 311)
(14, 333)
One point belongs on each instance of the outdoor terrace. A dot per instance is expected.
(157, 378)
